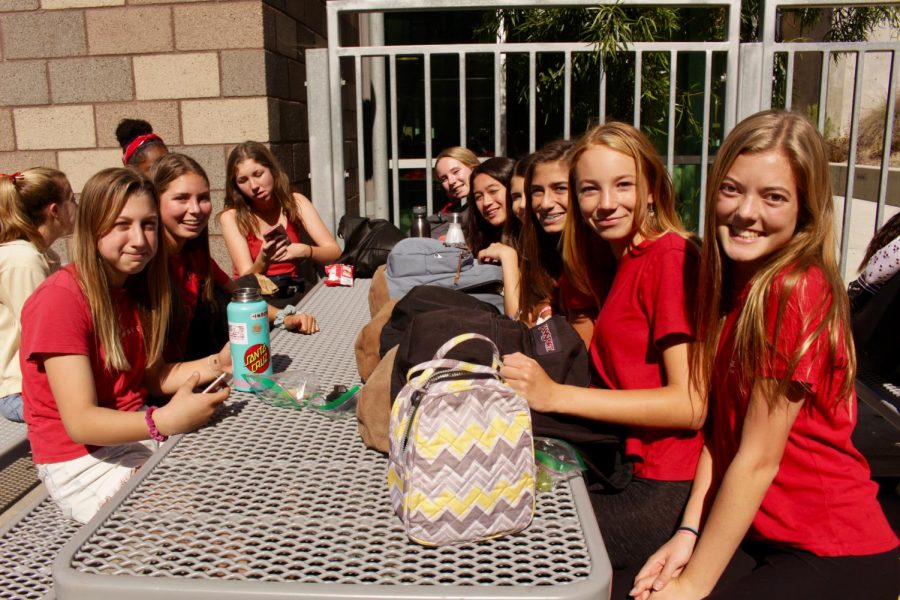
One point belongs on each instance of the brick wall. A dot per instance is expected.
(205, 74)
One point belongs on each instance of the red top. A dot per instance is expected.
(822, 499)
(56, 319)
(647, 308)
(275, 268)
(189, 270)
(571, 299)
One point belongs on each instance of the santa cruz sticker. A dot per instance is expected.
(256, 358)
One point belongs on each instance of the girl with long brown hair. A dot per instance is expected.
(92, 344)
(624, 243)
(267, 228)
(779, 483)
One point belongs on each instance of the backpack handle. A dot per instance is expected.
(465, 337)
(419, 374)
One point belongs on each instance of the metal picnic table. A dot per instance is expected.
(271, 502)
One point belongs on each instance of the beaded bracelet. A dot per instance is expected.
(689, 530)
(155, 435)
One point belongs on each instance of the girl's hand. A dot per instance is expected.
(293, 252)
(664, 565)
(497, 253)
(222, 360)
(302, 323)
(187, 411)
(269, 249)
(526, 377)
(677, 589)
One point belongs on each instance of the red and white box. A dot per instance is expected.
(339, 275)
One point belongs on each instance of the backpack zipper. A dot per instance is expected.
(418, 394)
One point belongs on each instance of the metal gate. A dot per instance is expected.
(346, 79)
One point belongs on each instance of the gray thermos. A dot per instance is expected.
(420, 226)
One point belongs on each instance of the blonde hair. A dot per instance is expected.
(591, 265)
(812, 245)
(102, 200)
(463, 155)
(23, 200)
(235, 199)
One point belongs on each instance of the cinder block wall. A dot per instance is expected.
(205, 74)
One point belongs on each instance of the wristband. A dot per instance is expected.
(155, 435)
(688, 530)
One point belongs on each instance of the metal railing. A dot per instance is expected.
(750, 70)
(772, 48)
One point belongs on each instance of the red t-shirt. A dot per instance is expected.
(648, 303)
(571, 299)
(822, 499)
(56, 319)
(276, 268)
(188, 271)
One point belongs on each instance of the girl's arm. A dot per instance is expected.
(239, 251)
(676, 405)
(763, 438)
(325, 248)
(669, 560)
(583, 325)
(163, 379)
(509, 265)
(72, 383)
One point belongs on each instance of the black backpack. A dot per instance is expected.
(367, 243)
(558, 349)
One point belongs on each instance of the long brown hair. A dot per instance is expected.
(540, 263)
(591, 265)
(195, 251)
(235, 199)
(23, 200)
(479, 233)
(812, 245)
(103, 198)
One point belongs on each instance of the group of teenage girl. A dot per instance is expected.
(90, 348)
(728, 362)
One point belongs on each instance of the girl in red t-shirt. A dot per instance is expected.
(92, 341)
(185, 205)
(779, 486)
(624, 243)
(265, 224)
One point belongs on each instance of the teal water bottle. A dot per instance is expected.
(248, 332)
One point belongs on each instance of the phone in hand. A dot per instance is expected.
(274, 233)
(218, 383)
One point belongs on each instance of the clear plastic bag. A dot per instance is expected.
(291, 389)
(340, 402)
(556, 461)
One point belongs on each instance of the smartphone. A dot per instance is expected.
(275, 232)
(218, 383)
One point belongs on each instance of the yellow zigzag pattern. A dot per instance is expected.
(432, 507)
(459, 442)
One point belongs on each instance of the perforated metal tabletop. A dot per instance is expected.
(13, 441)
(277, 503)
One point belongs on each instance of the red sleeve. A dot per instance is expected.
(805, 310)
(220, 277)
(55, 320)
(670, 296)
(571, 299)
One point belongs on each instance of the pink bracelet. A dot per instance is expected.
(155, 435)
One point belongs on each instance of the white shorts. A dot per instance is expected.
(82, 485)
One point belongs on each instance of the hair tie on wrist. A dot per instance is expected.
(155, 435)
(688, 529)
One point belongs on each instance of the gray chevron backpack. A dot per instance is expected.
(461, 465)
